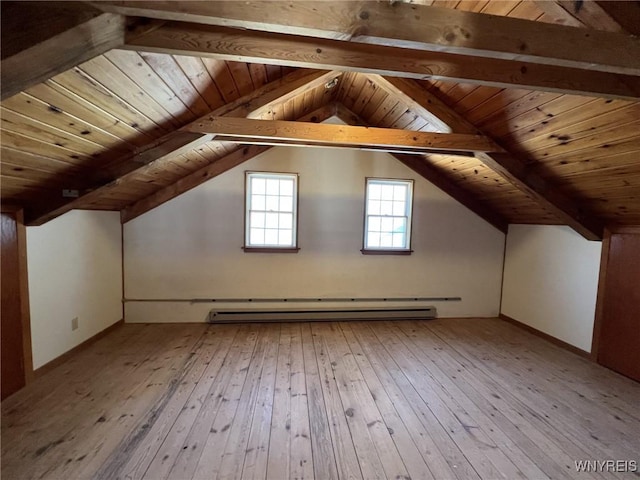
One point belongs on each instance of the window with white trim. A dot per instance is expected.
(387, 225)
(271, 210)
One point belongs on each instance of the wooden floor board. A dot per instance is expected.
(444, 399)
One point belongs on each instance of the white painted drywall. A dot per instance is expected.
(551, 281)
(75, 270)
(190, 247)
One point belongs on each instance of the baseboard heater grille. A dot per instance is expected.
(320, 314)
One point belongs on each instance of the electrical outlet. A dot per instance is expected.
(74, 323)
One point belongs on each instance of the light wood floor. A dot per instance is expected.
(460, 399)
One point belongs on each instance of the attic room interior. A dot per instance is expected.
(269, 239)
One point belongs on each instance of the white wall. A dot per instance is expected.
(551, 281)
(75, 270)
(190, 247)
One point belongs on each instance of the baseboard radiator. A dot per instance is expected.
(326, 314)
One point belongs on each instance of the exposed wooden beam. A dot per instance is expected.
(217, 167)
(433, 175)
(516, 171)
(177, 142)
(41, 40)
(410, 26)
(422, 167)
(282, 132)
(545, 193)
(308, 52)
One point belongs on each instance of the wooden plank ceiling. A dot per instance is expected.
(114, 132)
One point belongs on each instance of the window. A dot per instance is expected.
(271, 211)
(387, 224)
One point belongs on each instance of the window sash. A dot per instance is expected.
(271, 210)
(388, 209)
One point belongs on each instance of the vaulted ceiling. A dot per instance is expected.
(103, 111)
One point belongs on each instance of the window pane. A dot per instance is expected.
(398, 208)
(286, 221)
(398, 240)
(374, 191)
(286, 204)
(374, 207)
(399, 225)
(387, 192)
(286, 187)
(386, 240)
(386, 208)
(374, 224)
(373, 239)
(272, 203)
(386, 224)
(271, 237)
(258, 185)
(256, 236)
(273, 186)
(258, 202)
(271, 220)
(400, 192)
(285, 237)
(257, 220)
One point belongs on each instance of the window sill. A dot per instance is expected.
(365, 251)
(270, 250)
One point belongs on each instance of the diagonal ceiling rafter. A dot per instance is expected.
(514, 170)
(180, 141)
(421, 166)
(217, 167)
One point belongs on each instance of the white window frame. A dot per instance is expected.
(248, 245)
(406, 213)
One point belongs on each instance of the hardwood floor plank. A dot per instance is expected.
(471, 438)
(231, 418)
(301, 460)
(553, 390)
(206, 358)
(280, 439)
(365, 417)
(257, 452)
(566, 420)
(73, 393)
(445, 456)
(324, 460)
(347, 462)
(236, 447)
(417, 466)
(441, 399)
(220, 406)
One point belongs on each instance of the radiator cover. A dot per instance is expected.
(326, 314)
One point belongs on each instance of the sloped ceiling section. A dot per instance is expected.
(123, 130)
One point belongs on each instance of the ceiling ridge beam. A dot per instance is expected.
(435, 176)
(176, 143)
(275, 48)
(405, 25)
(215, 168)
(518, 173)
